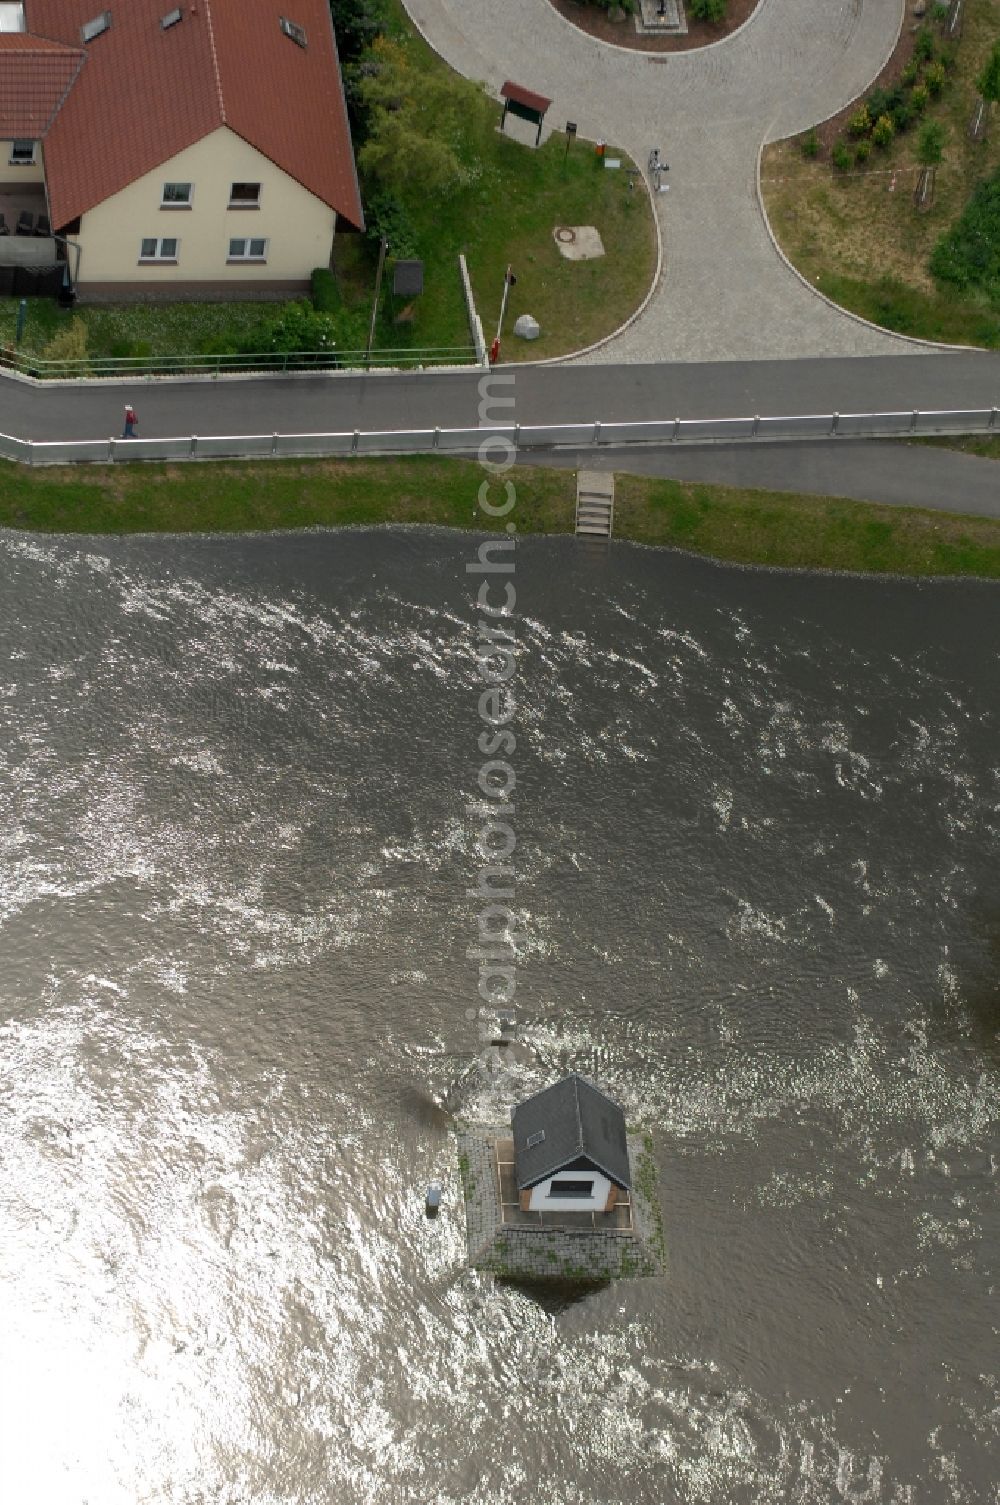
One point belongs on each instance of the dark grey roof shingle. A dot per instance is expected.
(567, 1123)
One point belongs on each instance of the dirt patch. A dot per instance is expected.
(597, 23)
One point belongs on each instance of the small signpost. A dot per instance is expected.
(524, 103)
(508, 282)
(570, 133)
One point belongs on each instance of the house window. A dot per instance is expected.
(244, 196)
(22, 153)
(297, 33)
(248, 250)
(91, 29)
(571, 1189)
(158, 249)
(176, 196)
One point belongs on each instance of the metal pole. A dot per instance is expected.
(22, 314)
(503, 301)
(383, 247)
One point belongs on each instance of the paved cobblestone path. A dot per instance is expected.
(724, 294)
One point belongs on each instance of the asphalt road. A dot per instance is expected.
(871, 470)
(542, 394)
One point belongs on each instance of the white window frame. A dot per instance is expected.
(16, 161)
(245, 255)
(160, 257)
(294, 31)
(166, 203)
(91, 30)
(244, 203)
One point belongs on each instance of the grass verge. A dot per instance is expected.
(507, 216)
(726, 523)
(856, 234)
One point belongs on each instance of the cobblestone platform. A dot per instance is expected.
(585, 1254)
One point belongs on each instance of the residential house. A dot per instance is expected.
(570, 1149)
(195, 151)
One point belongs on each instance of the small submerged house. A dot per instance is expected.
(570, 1149)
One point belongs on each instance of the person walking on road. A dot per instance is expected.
(131, 419)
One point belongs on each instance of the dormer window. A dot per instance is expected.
(91, 29)
(297, 33)
(171, 18)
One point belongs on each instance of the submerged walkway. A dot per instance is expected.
(725, 293)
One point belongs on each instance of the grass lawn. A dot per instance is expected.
(987, 446)
(856, 234)
(750, 527)
(162, 328)
(508, 216)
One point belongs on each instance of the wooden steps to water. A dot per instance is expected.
(595, 503)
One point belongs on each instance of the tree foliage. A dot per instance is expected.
(988, 82)
(930, 143)
(425, 129)
(968, 254)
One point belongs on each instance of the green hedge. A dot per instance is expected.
(968, 255)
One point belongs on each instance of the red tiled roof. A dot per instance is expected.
(35, 75)
(144, 94)
(518, 94)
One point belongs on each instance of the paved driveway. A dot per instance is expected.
(725, 294)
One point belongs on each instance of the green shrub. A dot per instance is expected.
(939, 12)
(910, 73)
(386, 216)
(862, 151)
(919, 98)
(968, 254)
(708, 10)
(923, 46)
(930, 143)
(902, 115)
(878, 103)
(934, 79)
(883, 131)
(988, 82)
(324, 291)
(299, 327)
(70, 344)
(841, 156)
(860, 123)
(810, 145)
(218, 344)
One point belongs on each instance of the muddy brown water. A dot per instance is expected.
(758, 820)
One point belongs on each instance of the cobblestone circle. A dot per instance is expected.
(724, 293)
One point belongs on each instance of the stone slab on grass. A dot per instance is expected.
(578, 242)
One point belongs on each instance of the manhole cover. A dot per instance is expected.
(565, 235)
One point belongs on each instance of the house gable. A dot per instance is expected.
(567, 1126)
(144, 92)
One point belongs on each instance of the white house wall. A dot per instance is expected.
(12, 175)
(542, 1201)
(298, 227)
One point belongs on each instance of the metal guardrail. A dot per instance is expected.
(521, 436)
(228, 365)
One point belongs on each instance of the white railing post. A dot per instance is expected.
(913, 421)
(756, 425)
(597, 434)
(194, 445)
(437, 438)
(993, 417)
(354, 442)
(835, 425)
(274, 444)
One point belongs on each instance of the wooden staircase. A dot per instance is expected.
(595, 503)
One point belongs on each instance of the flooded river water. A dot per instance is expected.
(758, 825)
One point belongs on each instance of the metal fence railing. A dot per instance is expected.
(521, 436)
(228, 365)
